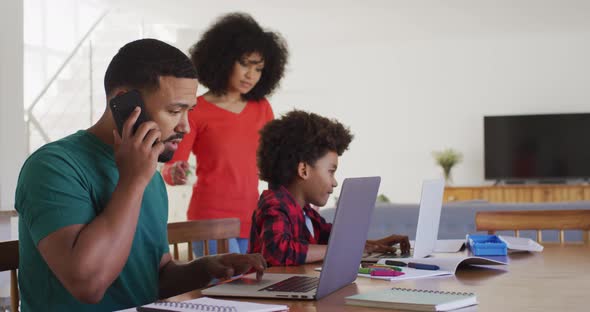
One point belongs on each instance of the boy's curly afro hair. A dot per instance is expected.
(297, 137)
(230, 38)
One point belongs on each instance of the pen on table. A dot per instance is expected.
(380, 266)
(369, 270)
(422, 266)
(396, 263)
(368, 264)
(381, 269)
(216, 281)
(386, 273)
(364, 271)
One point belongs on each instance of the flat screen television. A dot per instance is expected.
(537, 147)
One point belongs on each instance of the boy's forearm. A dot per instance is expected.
(315, 253)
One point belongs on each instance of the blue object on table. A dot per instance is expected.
(486, 245)
(422, 266)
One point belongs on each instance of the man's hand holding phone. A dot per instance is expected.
(136, 154)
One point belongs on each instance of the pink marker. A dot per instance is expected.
(386, 273)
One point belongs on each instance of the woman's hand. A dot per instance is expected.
(179, 172)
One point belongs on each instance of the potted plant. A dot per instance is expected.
(382, 198)
(447, 159)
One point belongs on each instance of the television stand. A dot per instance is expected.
(512, 182)
(539, 181)
(553, 181)
(509, 182)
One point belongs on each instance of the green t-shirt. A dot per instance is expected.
(68, 182)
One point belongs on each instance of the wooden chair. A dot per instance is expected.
(538, 220)
(9, 262)
(203, 230)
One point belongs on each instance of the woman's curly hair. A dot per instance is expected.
(230, 38)
(297, 137)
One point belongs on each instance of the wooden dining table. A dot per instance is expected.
(556, 279)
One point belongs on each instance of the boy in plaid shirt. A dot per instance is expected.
(298, 157)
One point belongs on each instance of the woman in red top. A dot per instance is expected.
(240, 64)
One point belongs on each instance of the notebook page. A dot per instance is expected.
(210, 304)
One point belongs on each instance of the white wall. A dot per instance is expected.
(411, 77)
(12, 129)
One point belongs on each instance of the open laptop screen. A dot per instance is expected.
(349, 233)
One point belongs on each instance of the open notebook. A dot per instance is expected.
(448, 265)
(209, 304)
(520, 244)
(413, 299)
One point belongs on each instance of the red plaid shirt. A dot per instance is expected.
(278, 228)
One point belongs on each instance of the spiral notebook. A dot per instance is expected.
(413, 299)
(210, 304)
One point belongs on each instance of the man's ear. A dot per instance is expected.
(303, 170)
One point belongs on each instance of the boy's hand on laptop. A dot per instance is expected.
(385, 244)
(226, 266)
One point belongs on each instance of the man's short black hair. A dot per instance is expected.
(228, 40)
(297, 137)
(140, 63)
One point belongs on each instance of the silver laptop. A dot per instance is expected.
(427, 227)
(345, 248)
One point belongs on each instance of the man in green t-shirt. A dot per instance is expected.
(93, 209)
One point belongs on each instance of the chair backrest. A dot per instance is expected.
(9, 262)
(538, 220)
(203, 230)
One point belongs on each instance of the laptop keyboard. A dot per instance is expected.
(294, 284)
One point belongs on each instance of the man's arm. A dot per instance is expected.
(177, 278)
(87, 258)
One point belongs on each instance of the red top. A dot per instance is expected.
(279, 232)
(225, 145)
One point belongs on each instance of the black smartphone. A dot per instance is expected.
(123, 105)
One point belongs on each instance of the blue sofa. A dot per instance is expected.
(457, 219)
